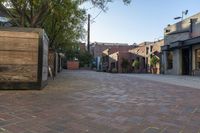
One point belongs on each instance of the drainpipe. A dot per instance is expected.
(190, 48)
(191, 29)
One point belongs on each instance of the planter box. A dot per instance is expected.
(72, 65)
(23, 58)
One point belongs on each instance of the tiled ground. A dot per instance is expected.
(187, 81)
(91, 102)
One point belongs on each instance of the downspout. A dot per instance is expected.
(191, 29)
(190, 49)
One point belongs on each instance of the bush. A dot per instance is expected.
(136, 64)
(153, 61)
(85, 59)
(114, 70)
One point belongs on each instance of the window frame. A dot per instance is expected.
(170, 61)
(197, 63)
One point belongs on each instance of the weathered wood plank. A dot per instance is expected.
(18, 44)
(16, 57)
(16, 73)
(23, 58)
(19, 34)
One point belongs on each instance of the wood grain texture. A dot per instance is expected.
(19, 34)
(15, 57)
(18, 44)
(23, 58)
(15, 73)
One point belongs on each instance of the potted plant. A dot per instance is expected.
(136, 65)
(153, 62)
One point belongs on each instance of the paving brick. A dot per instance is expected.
(91, 102)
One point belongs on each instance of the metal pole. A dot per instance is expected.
(88, 43)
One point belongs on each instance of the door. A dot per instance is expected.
(186, 61)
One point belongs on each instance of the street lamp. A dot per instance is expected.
(184, 13)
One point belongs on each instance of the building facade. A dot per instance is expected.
(153, 50)
(140, 54)
(181, 50)
(120, 62)
(111, 57)
(144, 53)
(101, 51)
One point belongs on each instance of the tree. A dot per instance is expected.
(26, 13)
(103, 3)
(63, 20)
(65, 24)
(85, 59)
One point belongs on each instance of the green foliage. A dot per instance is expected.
(136, 64)
(153, 61)
(85, 59)
(63, 20)
(125, 64)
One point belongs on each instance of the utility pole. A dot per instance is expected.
(88, 39)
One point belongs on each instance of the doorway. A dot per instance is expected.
(186, 61)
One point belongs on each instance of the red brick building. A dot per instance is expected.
(111, 54)
(144, 52)
(140, 54)
(100, 51)
(116, 61)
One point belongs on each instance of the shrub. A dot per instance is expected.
(153, 61)
(136, 64)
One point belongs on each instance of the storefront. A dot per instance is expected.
(182, 57)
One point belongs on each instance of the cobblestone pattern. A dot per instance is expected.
(91, 102)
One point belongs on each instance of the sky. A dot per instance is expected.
(142, 20)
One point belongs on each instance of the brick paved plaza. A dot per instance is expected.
(92, 102)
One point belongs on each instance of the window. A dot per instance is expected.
(151, 48)
(170, 60)
(197, 61)
(147, 50)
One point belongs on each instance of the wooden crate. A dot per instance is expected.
(23, 58)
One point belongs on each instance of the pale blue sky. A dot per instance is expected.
(142, 20)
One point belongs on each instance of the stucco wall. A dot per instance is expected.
(184, 30)
(177, 61)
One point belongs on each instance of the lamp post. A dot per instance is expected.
(184, 13)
